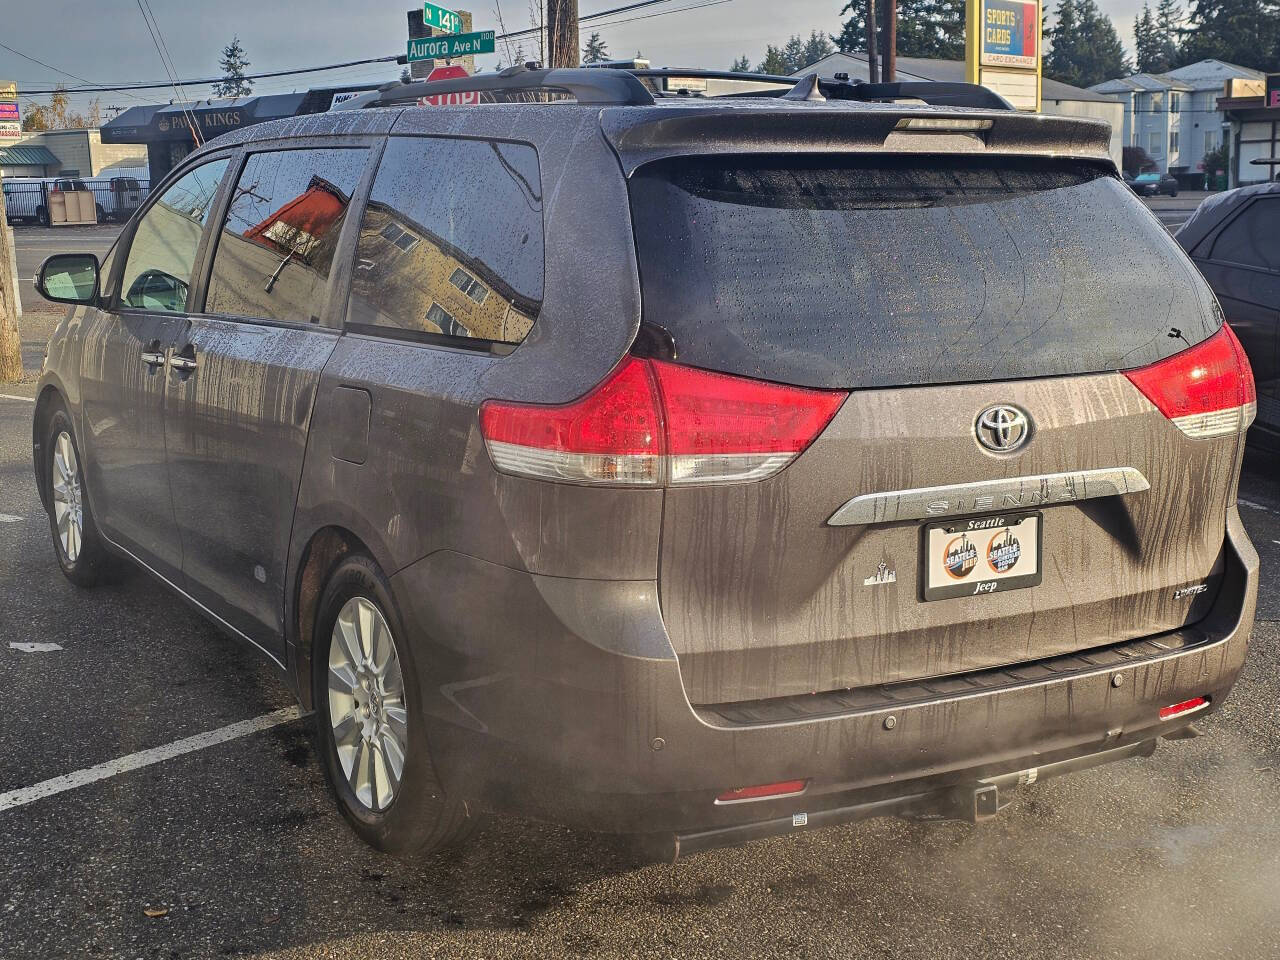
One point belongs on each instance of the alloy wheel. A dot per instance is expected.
(367, 704)
(68, 504)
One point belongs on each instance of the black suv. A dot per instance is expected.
(699, 468)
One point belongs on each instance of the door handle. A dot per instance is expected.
(184, 360)
(153, 355)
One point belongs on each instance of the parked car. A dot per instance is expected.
(1234, 238)
(1152, 183)
(118, 197)
(24, 199)
(697, 469)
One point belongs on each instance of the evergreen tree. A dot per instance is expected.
(1238, 31)
(1085, 46)
(1146, 53)
(926, 28)
(233, 64)
(775, 61)
(816, 47)
(596, 50)
(793, 54)
(1168, 27)
(741, 65)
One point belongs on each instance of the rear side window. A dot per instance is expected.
(881, 271)
(157, 272)
(451, 246)
(1252, 238)
(278, 242)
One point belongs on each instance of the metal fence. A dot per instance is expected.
(27, 201)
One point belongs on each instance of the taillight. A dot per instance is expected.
(765, 791)
(1181, 709)
(1207, 391)
(653, 423)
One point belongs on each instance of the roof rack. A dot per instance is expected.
(613, 87)
(621, 86)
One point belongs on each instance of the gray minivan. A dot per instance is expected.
(697, 468)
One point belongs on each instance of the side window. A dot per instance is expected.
(451, 244)
(278, 242)
(1251, 238)
(157, 272)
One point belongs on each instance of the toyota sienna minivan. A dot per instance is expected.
(697, 468)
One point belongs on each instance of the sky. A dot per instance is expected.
(107, 41)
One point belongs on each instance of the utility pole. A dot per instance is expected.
(10, 339)
(891, 41)
(873, 65)
(562, 33)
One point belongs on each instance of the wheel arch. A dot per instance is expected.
(325, 548)
(50, 400)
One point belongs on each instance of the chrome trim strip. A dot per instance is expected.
(165, 580)
(987, 496)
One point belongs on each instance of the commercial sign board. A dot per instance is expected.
(1010, 33)
(10, 118)
(1003, 49)
(1273, 90)
(452, 47)
(441, 19)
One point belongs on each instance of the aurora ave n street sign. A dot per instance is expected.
(458, 45)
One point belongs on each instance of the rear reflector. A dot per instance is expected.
(1185, 707)
(786, 788)
(1207, 391)
(654, 423)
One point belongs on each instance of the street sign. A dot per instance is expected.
(452, 47)
(461, 99)
(441, 19)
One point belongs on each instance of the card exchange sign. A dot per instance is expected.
(1010, 33)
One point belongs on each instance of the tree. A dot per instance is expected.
(233, 64)
(816, 47)
(926, 28)
(1085, 46)
(741, 65)
(1238, 31)
(596, 50)
(1169, 20)
(1146, 55)
(10, 338)
(793, 54)
(775, 61)
(58, 114)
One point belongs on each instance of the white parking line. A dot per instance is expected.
(144, 758)
(9, 396)
(26, 646)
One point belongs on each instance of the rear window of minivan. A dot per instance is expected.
(876, 271)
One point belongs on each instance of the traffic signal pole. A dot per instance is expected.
(562, 33)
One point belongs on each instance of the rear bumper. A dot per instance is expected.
(562, 699)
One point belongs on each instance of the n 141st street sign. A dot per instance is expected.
(458, 45)
(441, 19)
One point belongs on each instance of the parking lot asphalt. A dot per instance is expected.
(237, 850)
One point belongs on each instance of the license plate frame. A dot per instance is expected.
(983, 576)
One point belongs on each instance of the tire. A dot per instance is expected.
(102, 214)
(416, 818)
(80, 550)
(1173, 192)
(42, 216)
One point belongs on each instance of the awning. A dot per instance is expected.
(147, 124)
(28, 157)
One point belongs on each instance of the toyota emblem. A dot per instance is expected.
(1002, 428)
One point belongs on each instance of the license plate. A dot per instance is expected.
(969, 557)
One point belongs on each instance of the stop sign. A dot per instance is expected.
(449, 99)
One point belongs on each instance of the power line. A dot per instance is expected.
(513, 35)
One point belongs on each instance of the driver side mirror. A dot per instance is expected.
(69, 278)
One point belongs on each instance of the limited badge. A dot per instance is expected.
(960, 557)
(1004, 551)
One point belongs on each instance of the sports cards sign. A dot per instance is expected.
(1010, 33)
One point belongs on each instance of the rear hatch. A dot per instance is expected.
(1040, 396)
